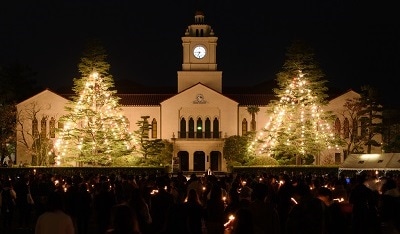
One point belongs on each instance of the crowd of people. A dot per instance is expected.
(233, 203)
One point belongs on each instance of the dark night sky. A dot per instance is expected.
(354, 44)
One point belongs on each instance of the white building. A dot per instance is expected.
(196, 119)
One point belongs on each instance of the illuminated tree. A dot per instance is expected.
(298, 127)
(95, 131)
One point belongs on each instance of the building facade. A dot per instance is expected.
(196, 119)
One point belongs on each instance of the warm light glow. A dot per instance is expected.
(154, 191)
(369, 156)
(231, 218)
(293, 200)
(95, 128)
(296, 122)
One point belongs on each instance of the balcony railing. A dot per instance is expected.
(199, 135)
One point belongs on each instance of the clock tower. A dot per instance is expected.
(199, 57)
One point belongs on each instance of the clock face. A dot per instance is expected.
(199, 52)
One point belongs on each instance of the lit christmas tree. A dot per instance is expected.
(297, 127)
(94, 131)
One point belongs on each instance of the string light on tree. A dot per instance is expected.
(297, 124)
(95, 130)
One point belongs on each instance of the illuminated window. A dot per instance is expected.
(244, 127)
(199, 128)
(52, 126)
(154, 129)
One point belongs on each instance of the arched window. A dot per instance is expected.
(244, 127)
(182, 133)
(43, 127)
(191, 128)
(199, 128)
(52, 127)
(35, 130)
(154, 129)
(355, 128)
(216, 128)
(207, 128)
(346, 128)
(337, 127)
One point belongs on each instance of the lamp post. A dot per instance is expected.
(173, 152)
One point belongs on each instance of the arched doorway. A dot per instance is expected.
(183, 160)
(199, 163)
(215, 161)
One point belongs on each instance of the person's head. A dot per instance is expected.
(193, 197)
(193, 177)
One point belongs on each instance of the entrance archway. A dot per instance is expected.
(215, 161)
(199, 163)
(183, 160)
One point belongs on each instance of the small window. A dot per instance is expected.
(337, 127)
(244, 127)
(52, 127)
(43, 127)
(154, 129)
(380, 161)
(360, 162)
